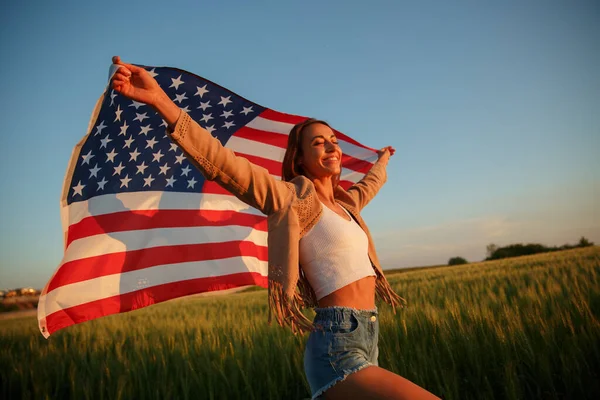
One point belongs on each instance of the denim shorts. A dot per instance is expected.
(344, 340)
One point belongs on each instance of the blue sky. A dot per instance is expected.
(494, 109)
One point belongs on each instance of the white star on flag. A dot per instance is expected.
(128, 142)
(125, 181)
(180, 97)
(111, 156)
(157, 156)
(201, 91)
(176, 82)
(118, 112)
(87, 157)
(118, 169)
(78, 189)
(99, 128)
(136, 104)
(148, 181)
(246, 110)
(94, 171)
(225, 100)
(204, 106)
(141, 168)
(102, 183)
(134, 155)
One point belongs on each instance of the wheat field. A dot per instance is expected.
(523, 328)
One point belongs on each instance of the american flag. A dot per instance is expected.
(142, 225)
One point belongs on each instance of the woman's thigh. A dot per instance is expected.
(377, 383)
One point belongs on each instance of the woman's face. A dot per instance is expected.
(321, 155)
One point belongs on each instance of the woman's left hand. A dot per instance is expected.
(381, 152)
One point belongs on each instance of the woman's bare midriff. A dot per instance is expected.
(359, 294)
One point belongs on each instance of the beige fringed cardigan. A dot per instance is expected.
(292, 209)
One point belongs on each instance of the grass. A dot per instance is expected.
(525, 328)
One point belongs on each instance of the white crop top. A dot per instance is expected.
(334, 253)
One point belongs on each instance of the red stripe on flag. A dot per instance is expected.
(272, 138)
(274, 167)
(282, 117)
(145, 297)
(153, 219)
(348, 139)
(116, 263)
(356, 164)
(346, 184)
(211, 187)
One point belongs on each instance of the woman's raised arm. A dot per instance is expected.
(250, 183)
(364, 190)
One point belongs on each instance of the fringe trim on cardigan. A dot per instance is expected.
(386, 293)
(288, 310)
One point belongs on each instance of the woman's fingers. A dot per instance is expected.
(129, 67)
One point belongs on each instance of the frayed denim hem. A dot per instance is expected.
(320, 392)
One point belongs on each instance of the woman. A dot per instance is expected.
(313, 223)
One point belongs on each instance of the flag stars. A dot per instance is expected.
(176, 82)
(148, 181)
(118, 169)
(185, 170)
(150, 143)
(145, 129)
(124, 129)
(136, 104)
(94, 171)
(191, 183)
(164, 123)
(104, 142)
(87, 157)
(180, 97)
(153, 73)
(210, 129)
(226, 114)
(125, 181)
(170, 181)
(111, 156)
(201, 91)
(228, 124)
(141, 117)
(118, 112)
(205, 105)
(78, 189)
(186, 109)
(246, 110)
(164, 169)
(128, 142)
(134, 155)
(173, 147)
(112, 97)
(206, 117)
(157, 156)
(179, 159)
(225, 100)
(101, 184)
(99, 128)
(141, 168)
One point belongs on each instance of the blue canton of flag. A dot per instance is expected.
(129, 151)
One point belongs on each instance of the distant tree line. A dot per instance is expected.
(517, 250)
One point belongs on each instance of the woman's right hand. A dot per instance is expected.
(135, 83)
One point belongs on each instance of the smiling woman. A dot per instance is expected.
(316, 258)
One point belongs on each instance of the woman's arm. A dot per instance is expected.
(250, 183)
(364, 190)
